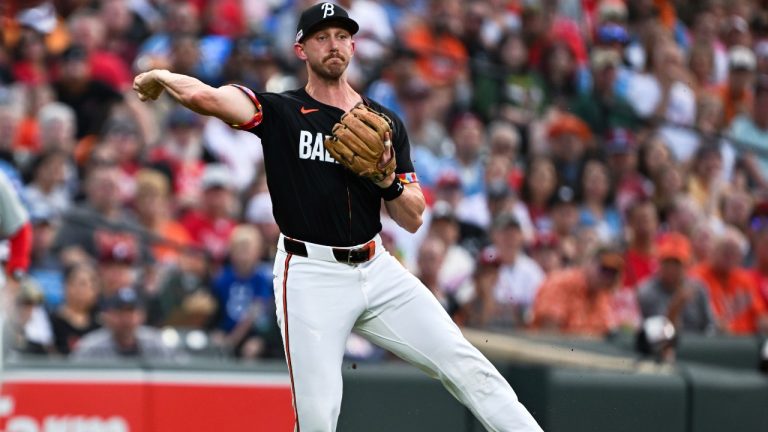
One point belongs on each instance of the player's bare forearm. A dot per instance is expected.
(407, 209)
(227, 102)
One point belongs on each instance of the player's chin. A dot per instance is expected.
(331, 72)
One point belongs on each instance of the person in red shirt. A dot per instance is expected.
(643, 225)
(732, 289)
(211, 224)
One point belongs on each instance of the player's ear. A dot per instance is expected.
(298, 49)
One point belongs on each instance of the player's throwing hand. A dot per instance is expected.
(147, 86)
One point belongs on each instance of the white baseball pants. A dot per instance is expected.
(320, 301)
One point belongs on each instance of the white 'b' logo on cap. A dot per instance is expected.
(327, 9)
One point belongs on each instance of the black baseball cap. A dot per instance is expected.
(323, 14)
(124, 298)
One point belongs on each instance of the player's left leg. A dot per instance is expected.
(405, 318)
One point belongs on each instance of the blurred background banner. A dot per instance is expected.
(130, 400)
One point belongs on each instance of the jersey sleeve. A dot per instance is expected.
(258, 116)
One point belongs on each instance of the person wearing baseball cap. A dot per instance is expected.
(672, 293)
(738, 94)
(478, 305)
(324, 15)
(124, 336)
(329, 214)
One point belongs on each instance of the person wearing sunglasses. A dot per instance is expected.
(578, 300)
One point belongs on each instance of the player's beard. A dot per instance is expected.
(329, 70)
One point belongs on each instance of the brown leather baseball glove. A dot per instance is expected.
(360, 140)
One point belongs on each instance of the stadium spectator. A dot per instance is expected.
(507, 87)
(124, 337)
(564, 211)
(442, 58)
(499, 197)
(89, 31)
(545, 251)
(751, 130)
(92, 100)
(57, 128)
(732, 290)
(45, 268)
(560, 73)
(578, 300)
(519, 275)
(668, 184)
(642, 226)
(705, 183)
(760, 248)
(457, 264)
(701, 62)
(703, 237)
(736, 210)
(30, 60)
(737, 94)
(430, 261)
(596, 199)
(76, 316)
(47, 189)
(153, 209)
(243, 289)
(259, 213)
(621, 148)
(117, 257)
(468, 134)
(662, 95)
(89, 229)
(211, 223)
(602, 109)
(182, 151)
(568, 140)
(476, 297)
(27, 326)
(538, 188)
(672, 293)
(183, 297)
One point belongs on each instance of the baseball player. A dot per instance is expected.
(331, 274)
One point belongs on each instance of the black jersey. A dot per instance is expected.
(314, 198)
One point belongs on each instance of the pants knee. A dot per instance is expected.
(317, 415)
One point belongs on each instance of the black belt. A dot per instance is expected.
(343, 255)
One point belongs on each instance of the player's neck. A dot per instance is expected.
(335, 93)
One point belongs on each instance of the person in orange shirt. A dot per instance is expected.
(152, 208)
(579, 300)
(732, 289)
(442, 58)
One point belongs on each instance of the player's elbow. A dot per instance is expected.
(413, 224)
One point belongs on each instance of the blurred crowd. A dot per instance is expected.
(588, 165)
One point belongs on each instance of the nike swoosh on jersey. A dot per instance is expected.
(308, 110)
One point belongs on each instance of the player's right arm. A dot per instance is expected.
(228, 103)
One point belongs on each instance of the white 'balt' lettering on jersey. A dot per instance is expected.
(313, 149)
